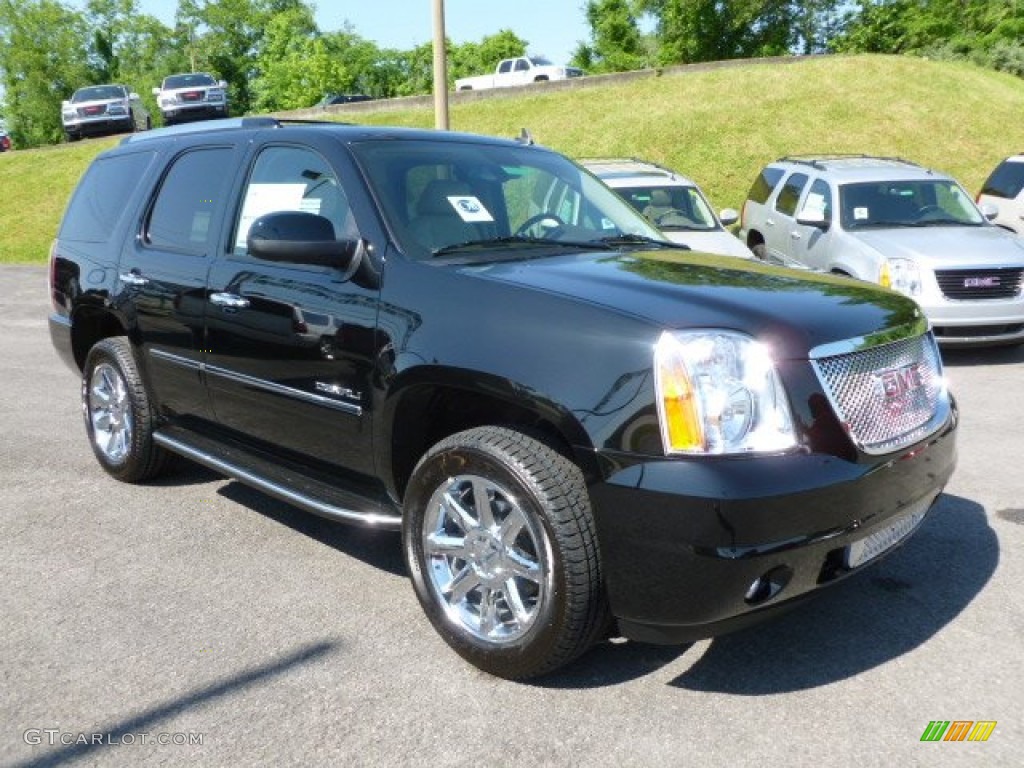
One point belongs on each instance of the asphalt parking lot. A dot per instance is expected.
(240, 631)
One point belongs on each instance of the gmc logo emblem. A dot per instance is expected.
(900, 382)
(981, 282)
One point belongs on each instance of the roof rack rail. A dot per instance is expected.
(201, 126)
(651, 163)
(817, 161)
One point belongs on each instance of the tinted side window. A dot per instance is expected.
(789, 195)
(102, 196)
(1006, 181)
(763, 185)
(191, 191)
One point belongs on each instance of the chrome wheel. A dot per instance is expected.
(487, 559)
(110, 411)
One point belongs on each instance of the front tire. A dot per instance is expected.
(119, 418)
(500, 543)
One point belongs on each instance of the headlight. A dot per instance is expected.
(901, 275)
(718, 392)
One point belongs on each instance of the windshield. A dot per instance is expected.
(439, 197)
(187, 81)
(98, 93)
(922, 203)
(671, 209)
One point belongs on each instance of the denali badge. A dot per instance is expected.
(990, 281)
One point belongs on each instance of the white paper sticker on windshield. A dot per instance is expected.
(469, 208)
(860, 213)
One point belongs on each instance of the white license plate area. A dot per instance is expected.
(870, 547)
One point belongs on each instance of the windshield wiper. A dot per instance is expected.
(640, 240)
(519, 241)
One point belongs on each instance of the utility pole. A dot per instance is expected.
(440, 69)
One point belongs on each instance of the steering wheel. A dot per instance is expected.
(928, 210)
(537, 218)
(672, 213)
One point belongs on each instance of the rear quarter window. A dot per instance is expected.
(763, 185)
(102, 196)
(1006, 180)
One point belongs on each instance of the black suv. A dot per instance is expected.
(579, 427)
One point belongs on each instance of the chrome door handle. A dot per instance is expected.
(795, 235)
(230, 300)
(133, 278)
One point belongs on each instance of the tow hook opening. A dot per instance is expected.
(768, 585)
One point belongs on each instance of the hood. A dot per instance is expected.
(793, 311)
(947, 247)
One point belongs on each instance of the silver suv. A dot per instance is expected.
(191, 96)
(101, 109)
(671, 202)
(891, 222)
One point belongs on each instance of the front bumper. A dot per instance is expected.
(196, 111)
(696, 548)
(91, 126)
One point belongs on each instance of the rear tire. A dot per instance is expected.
(119, 418)
(500, 542)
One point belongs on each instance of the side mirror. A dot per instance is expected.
(989, 210)
(299, 238)
(65, 103)
(812, 217)
(728, 216)
(156, 90)
(133, 96)
(223, 83)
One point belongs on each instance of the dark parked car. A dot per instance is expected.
(5, 142)
(579, 427)
(332, 99)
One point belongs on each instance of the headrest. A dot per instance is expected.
(661, 198)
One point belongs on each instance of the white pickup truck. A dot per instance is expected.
(519, 71)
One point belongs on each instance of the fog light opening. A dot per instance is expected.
(768, 585)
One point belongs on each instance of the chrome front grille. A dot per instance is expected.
(887, 396)
(980, 283)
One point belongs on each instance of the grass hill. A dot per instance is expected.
(717, 125)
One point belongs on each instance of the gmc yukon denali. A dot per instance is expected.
(581, 429)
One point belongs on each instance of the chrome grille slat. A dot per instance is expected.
(887, 396)
(980, 283)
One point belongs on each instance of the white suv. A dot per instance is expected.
(672, 203)
(889, 221)
(191, 96)
(1005, 190)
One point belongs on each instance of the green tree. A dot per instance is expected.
(471, 58)
(43, 58)
(616, 42)
(715, 30)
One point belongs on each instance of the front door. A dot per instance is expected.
(291, 346)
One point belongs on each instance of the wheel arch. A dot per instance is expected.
(89, 326)
(429, 406)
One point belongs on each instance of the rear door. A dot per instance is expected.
(163, 269)
(291, 346)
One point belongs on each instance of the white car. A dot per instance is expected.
(191, 96)
(96, 110)
(672, 203)
(1004, 189)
